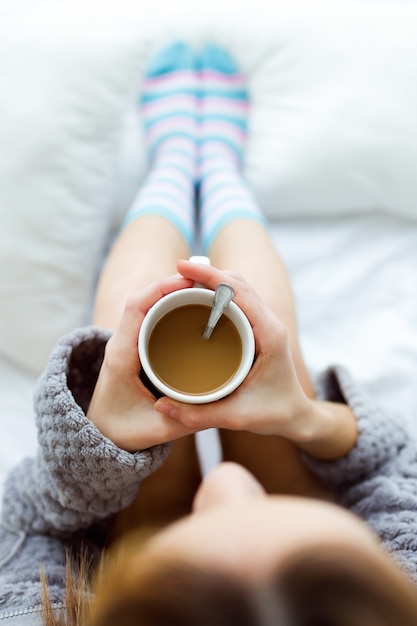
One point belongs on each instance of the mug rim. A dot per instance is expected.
(237, 317)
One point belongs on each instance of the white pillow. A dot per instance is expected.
(65, 85)
(333, 126)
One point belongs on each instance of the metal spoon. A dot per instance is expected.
(222, 298)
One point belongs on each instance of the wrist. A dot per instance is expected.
(326, 430)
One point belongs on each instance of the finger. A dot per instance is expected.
(139, 426)
(207, 275)
(154, 428)
(264, 323)
(124, 343)
(220, 414)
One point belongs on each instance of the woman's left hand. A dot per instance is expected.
(271, 399)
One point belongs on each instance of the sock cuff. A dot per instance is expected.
(209, 236)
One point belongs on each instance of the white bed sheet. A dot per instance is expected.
(356, 293)
(355, 285)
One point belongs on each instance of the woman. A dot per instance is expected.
(230, 550)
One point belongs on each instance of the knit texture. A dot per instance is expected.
(377, 480)
(77, 479)
(78, 476)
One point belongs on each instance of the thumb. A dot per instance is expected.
(200, 416)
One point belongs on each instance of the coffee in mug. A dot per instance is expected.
(183, 365)
(185, 361)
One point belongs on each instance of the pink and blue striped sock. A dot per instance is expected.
(169, 110)
(223, 194)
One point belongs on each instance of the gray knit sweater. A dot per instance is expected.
(78, 478)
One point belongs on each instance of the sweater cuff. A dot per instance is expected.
(72, 371)
(380, 436)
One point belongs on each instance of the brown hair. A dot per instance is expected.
(77, 594)
(321, 587)
(329, 586)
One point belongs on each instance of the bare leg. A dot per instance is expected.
(235, 236)
(246, 247)
(166, 495)
(234, 231)
(159, 229)
(145, 251)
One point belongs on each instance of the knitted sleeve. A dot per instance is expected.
(78, 476)
(377, 480)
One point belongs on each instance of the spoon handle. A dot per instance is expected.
(222, 298)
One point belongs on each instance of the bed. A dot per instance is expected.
(331, 156)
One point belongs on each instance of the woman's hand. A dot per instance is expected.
(271, 400)
(121, 407)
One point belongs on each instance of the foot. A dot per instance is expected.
(223, 194)
(169, 111)
(168, 102)
(223, 105)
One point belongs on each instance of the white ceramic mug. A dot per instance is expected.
(196, 295)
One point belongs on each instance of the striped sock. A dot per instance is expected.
(169, 111)
(223, 194)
